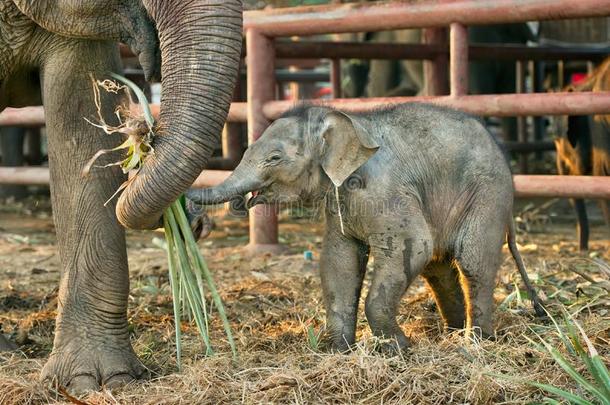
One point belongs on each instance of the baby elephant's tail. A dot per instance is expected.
(512, 246)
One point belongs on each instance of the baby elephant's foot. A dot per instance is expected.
(338, 343)
(391, 346)
(392, 339)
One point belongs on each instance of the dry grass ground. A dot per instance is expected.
(273, 302)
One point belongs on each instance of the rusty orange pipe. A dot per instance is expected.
(34, 116)
(497, 105)
(313, 20)
(525, 185)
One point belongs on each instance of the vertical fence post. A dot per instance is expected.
(458, 59)
(261, 89)
(435, 72)
(521, 121)
(538, 87)
(335, 77)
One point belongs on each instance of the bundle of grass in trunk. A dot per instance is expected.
(189, 275)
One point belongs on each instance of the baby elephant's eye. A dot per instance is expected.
(274, 158)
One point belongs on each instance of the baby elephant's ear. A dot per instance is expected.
(347, 146)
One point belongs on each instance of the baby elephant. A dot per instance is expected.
(424, 190)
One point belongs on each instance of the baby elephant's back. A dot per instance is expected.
(452, 165)
(443, 145)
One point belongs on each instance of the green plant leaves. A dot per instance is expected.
(189, 275)
(599, 388)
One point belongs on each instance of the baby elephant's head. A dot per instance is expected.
(294, 157)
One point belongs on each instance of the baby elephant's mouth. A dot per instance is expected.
(258, 197)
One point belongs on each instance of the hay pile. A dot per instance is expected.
(272, 302)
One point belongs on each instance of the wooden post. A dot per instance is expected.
(435, 71)
(260, 60)
(458, 57)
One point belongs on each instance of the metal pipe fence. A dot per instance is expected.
(525, 185)
(437, 18)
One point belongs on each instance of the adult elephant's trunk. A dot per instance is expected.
(200, 45)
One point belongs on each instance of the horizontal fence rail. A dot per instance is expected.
(525, 185)
(40, 176)
(562, 186)
(34, 116)
(400, 51)
(286, 49)
(497, 105)
(314, 20)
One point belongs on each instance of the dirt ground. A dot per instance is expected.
(274, 304)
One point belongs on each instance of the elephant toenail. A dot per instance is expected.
(82, 384)
(118, 380)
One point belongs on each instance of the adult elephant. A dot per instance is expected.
(198, 43)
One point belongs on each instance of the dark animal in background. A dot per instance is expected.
(583, 147)
(497, 77)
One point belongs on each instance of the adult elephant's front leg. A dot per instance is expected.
(91, 346)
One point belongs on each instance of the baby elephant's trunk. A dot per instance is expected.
(512, 246)
(239, 183)
(233, 188)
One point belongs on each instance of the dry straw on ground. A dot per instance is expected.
(272, 302)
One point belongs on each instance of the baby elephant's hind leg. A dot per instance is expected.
(444, 281)
(478, 261)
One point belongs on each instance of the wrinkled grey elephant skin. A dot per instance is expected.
(194, 46)
(424, 190)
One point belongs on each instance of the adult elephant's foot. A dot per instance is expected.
(86, 366)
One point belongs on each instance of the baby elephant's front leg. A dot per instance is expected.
(398, 261)
(342, 267)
